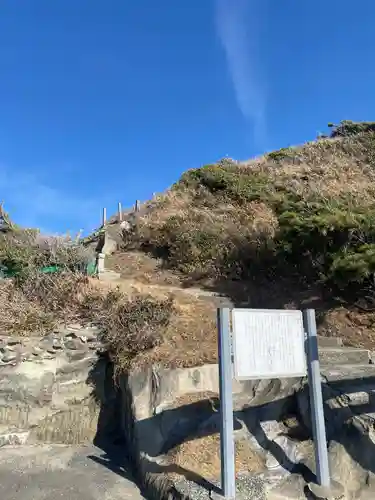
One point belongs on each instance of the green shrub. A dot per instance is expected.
(229, 182)
(281, 154)
(312, 232)
(354, 266)
(25, 251)
(347, 127)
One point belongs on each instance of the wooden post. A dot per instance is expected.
(119, 212)
(137, 205)
(104, 216)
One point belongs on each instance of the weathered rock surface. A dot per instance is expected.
(51, 389)
(45, 392)
(171, 406)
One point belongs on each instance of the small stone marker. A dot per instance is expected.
(101, 264)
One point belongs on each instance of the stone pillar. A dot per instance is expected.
(101, 257)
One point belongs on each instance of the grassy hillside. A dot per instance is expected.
(294, 228)
(305, 212)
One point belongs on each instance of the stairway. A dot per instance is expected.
(108, 275)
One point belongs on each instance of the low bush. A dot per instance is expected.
(347, 127)
(39, 303)
(129, 326)
(22, 252)
(20, 316)
(34, 302)
(280, 154)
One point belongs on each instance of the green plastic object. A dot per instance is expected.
(50, 269)
(91, 268)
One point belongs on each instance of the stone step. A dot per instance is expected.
(109, 276)
(329, 341)
(15, 437)
(336, 356)
(349, 374)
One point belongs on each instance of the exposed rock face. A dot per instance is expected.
(47, 395)
(45, 391)
(171, 406)
(348, 393)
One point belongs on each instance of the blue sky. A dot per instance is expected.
(107, 101)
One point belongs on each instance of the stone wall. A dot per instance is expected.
(162, 408)
(169, 403)
(46, 391)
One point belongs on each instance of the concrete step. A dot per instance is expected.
(329, 341)
(15, 437)
(336, 356)
(347, 374)
(109, 276)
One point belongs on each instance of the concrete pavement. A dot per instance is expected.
(50, 472)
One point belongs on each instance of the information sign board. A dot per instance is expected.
(268, 344)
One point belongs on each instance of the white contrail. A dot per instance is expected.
(237, 25)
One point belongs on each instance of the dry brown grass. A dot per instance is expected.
(190, 338)
(211, 238)
(201, 457)
(130, 327)
(200, 227)
(329, 167)
(35, 305)
(19, 316)
(166, 205)
(355, 327)
(141, 269)
(131, 324)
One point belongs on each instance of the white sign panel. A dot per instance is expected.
(268, 344)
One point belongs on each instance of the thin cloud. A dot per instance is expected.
(237, 23)
(33, 203)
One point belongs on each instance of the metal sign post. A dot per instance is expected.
(228, 477)
(268, 344)
(316, 400)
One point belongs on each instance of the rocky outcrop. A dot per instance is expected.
(59, 389)
(45, 390)
(163, 408)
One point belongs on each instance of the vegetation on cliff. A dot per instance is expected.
(45, 283)
(294, 228)
(306, 211)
